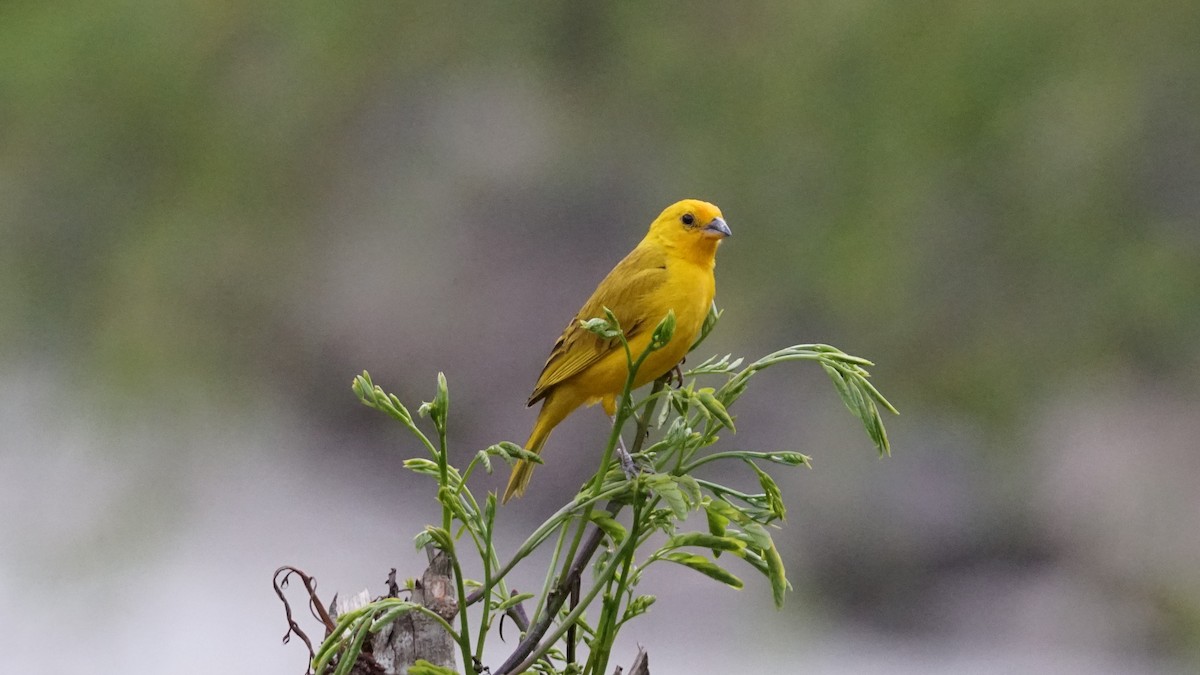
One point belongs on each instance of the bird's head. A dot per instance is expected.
(691, 223)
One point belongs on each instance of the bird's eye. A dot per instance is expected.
(688, 219)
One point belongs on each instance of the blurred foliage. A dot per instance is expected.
(1024, 173)
(998, 201)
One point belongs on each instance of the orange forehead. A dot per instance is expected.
(703, 211)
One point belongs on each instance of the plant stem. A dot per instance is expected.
(532, 541)
(487, 605)
(558, 595)
(464, 633)
(732, 454)
(606, 627)
(622, 415)
(444, 471)
(536, 653)
(562, 537)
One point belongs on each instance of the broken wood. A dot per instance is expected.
(415, 635)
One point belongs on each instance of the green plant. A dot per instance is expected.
(658, 498)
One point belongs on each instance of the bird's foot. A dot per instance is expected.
(676, 374)
(630, 466)
(627, 464)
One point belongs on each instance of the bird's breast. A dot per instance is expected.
(688, 293)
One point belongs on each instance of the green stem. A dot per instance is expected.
(342, 636)
(444, 470)
(467, 474)
(562, 537)
(556, 597)
(574, 615)
(487, 605)
(606, 628)
(429, 612)
(732, 454)
(464, 639)
(719, 490)
(623, 412)
(534, 540)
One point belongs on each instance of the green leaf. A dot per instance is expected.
(608, 328)
(511, 452)
(429, 467)
(665, 410)
(779, 582)
(600, 327)
(772, 492)
(441, 401)
(664, 486)
(735, 387)
(725, 510)
(512, 601)
(423, 667)
(843, 388)
(422, 539)
(710, 541)
(485, 457)
(612, 528)
(638, 606)
(758, 534)
(710, 322)
(857, 394)
(374, 397)
(396, 610)
(489, 512)
(681, 400)
(690, 488)
(424, 466)
(363, 388)
(664, 331)
(715, 407)
(448, 497)
(603, 558)
(354, 648)
(612, 318)
(756, 561)
(440, 538)
(715, 366)
(876, 431)
(439, 407)
(662, 519)
(706, 567)
(716, 523)
(678, 433)
(878, 397)
(789, 458)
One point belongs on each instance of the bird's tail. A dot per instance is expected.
(523, 471)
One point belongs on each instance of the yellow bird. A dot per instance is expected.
(670, 270)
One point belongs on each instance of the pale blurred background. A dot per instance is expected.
(213, 215)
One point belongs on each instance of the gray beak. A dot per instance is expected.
(718, 225)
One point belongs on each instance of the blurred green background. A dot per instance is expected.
(213, 215)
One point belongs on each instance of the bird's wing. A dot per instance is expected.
(623, 291)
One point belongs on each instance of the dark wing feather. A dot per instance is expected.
(641, 272)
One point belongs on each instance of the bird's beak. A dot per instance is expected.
(717, 228)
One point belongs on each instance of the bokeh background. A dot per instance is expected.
(212, 215)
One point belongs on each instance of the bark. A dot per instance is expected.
(415, 635)
(641, 664)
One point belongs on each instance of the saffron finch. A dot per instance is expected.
(671, 269)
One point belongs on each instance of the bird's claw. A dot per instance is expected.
(675, 378)
(627, 464)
